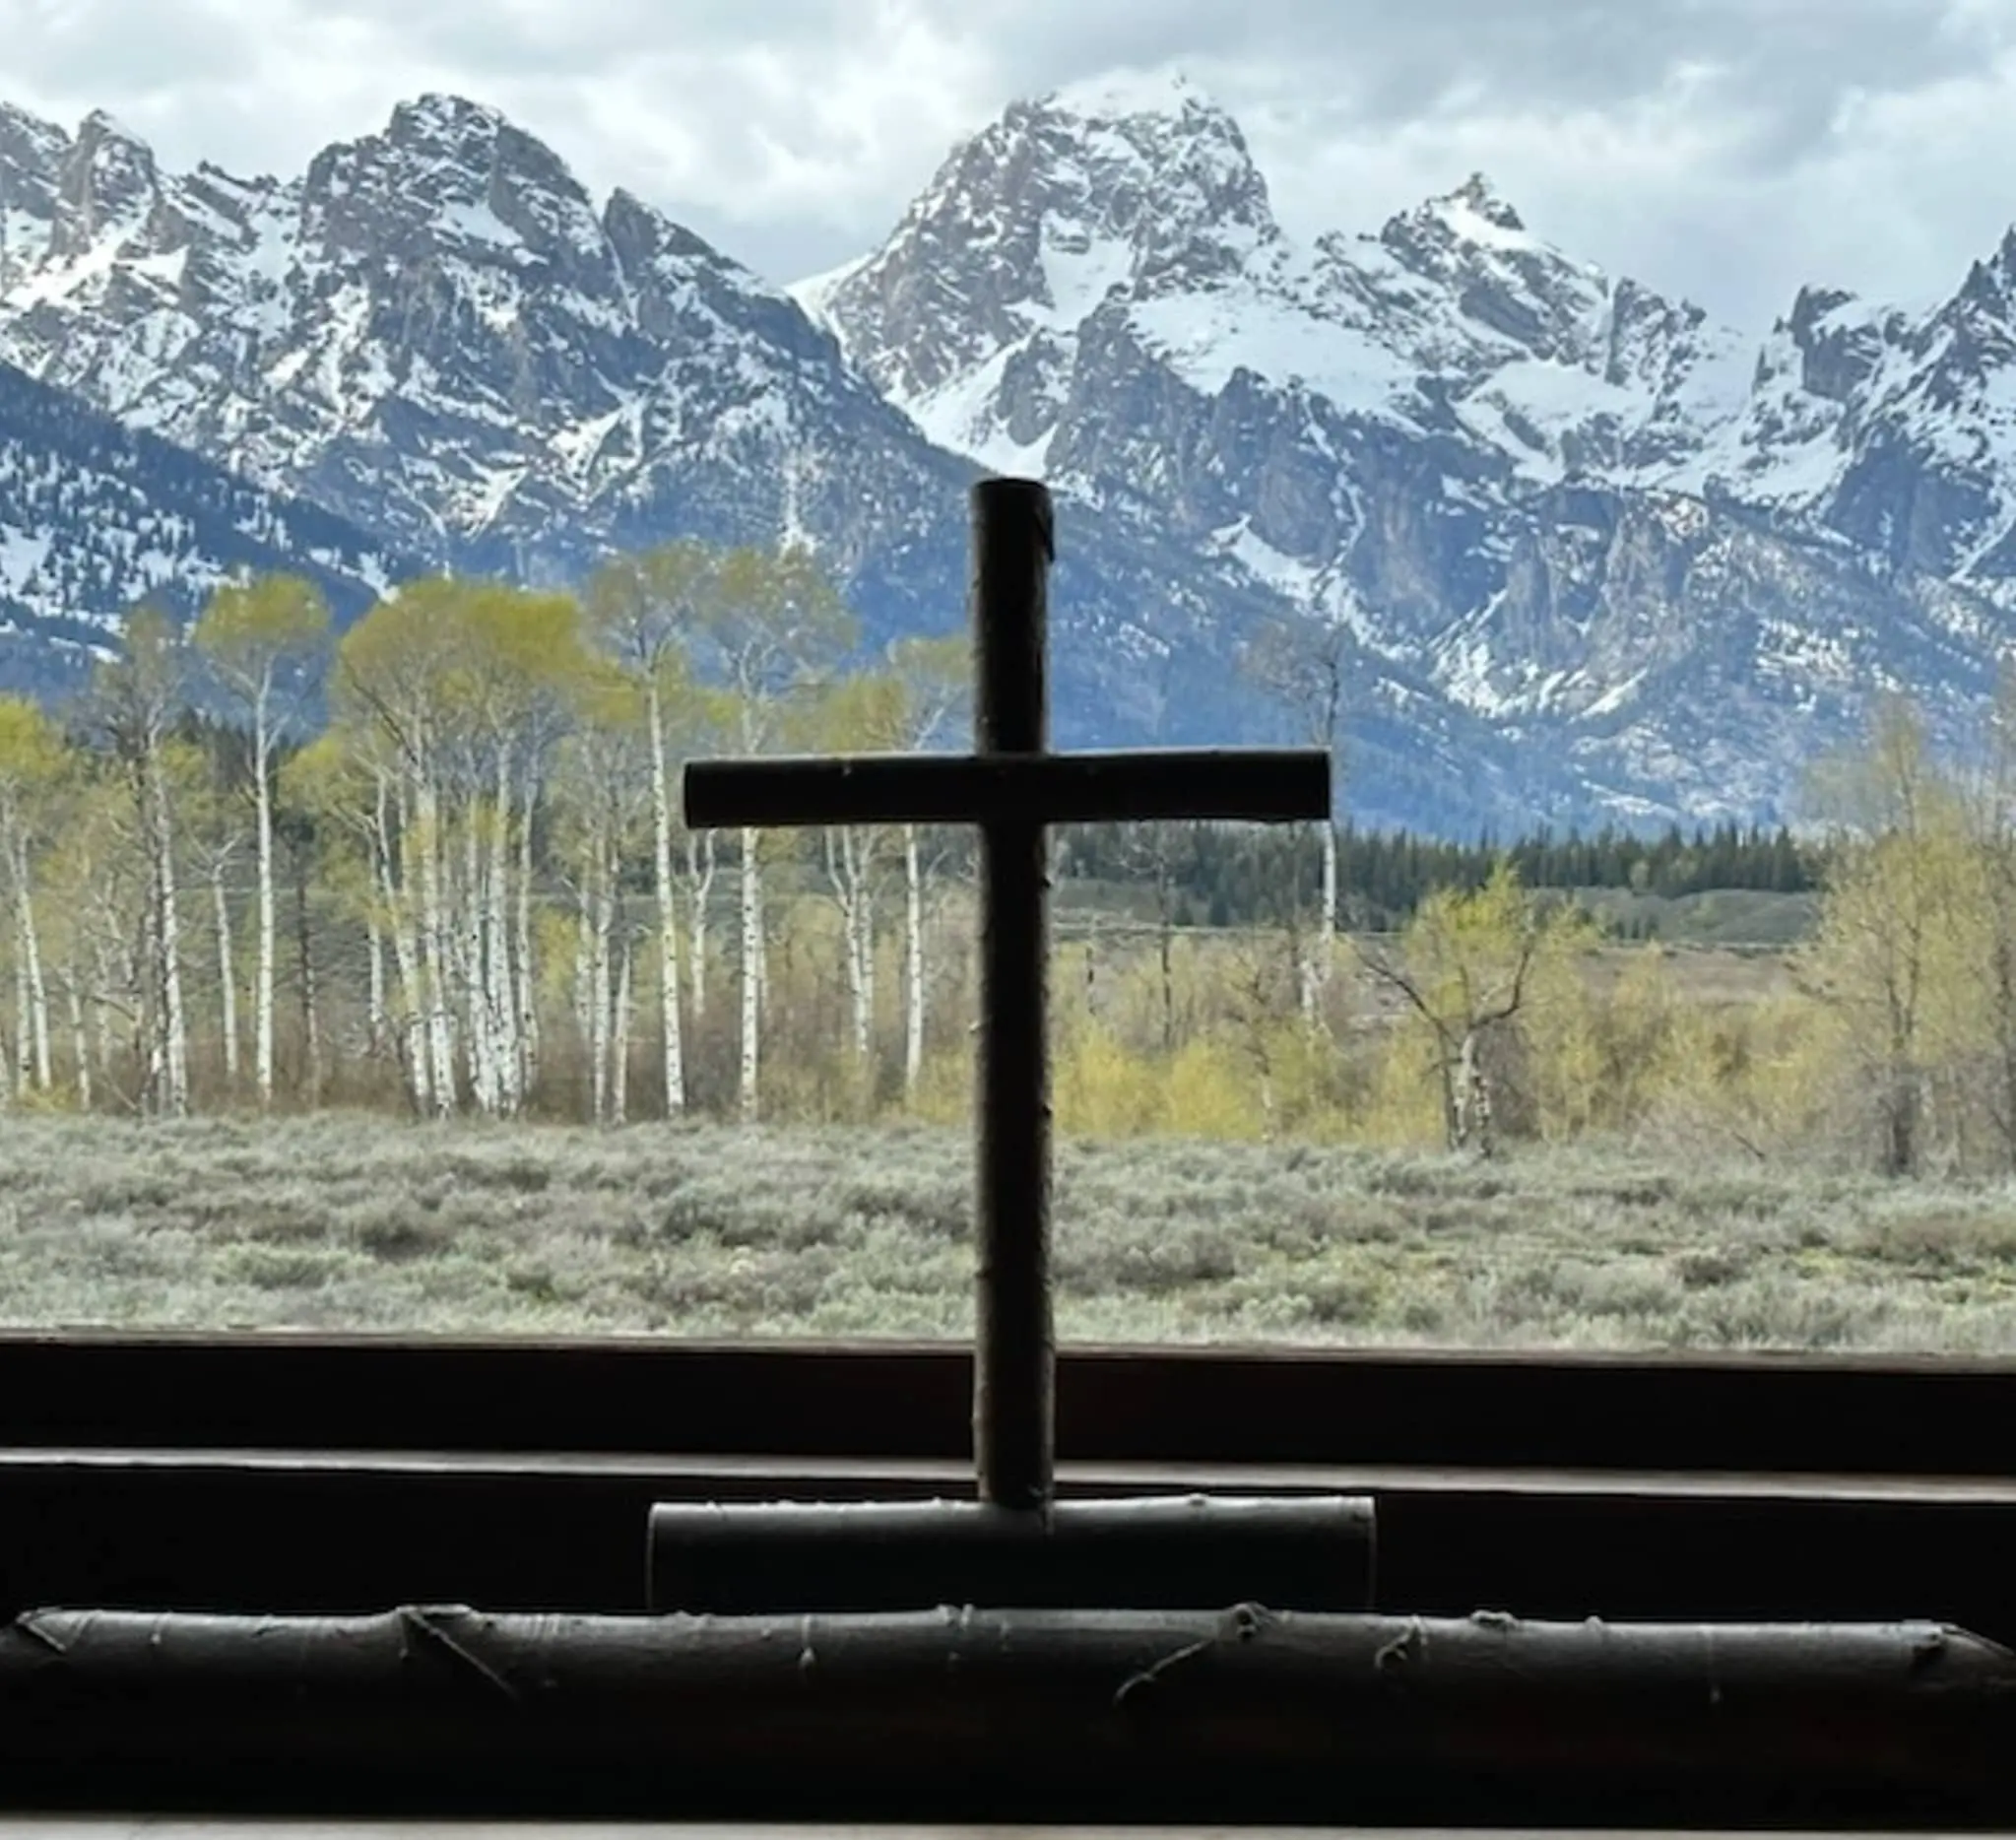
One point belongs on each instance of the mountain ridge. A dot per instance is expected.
(1593, 551)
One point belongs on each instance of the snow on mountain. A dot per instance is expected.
(436, 333)
(1586, 515)
(1137, 211)
(1594, 552)
(96, 518)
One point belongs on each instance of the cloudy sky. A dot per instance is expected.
(1728, 148)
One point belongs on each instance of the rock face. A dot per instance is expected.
(1619, 535)
(1589, 552)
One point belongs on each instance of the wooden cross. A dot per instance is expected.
(1014, 789)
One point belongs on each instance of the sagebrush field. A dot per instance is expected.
(351, 1221)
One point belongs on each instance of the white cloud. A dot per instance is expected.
(1730, 148)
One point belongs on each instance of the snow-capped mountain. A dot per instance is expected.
(436, 333)
(1110, 219)
(96, 518)
(1585, 513)
(1591, 551)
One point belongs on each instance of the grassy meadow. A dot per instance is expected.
(352, 1220)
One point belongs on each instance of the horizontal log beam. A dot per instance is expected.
(1145, 1553)
(1736, 1414)
(1237, 1715)
(299, 1532)
(1137, 785)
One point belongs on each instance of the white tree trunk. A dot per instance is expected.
(174, 1019)
(620, 1042)
(667, 918)
(847, 870)
(79, 1048)
(264, 972)
(412, 1033)
(700, 864)
(913, 963)
(500, 983)
(599, 996)
(227, 977)
(471, 927)
(375, 999)
(23, 1056)
(752, 972)
(441, 1081)
(38, 983)
(528, 985)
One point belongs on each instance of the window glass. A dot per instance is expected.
(417, 445)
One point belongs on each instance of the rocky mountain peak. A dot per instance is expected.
(1127, 95)
(27, 139)
(1840, 342)
(1150, 161)
(1121, 189)
(106, 185)
(436, 117)
(1478, 196)
(31, 153)
(1473, 244)
(446, 172)
(1470, 225)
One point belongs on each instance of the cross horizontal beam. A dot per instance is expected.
(1257, 785)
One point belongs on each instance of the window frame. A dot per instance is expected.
(1737, 1414)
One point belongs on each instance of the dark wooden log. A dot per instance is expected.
(1158, 1552)
(1015, 1377)
(1736, 1414)
(1131, 786)
(1243, 1714)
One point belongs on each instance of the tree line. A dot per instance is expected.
(1224, 875)
(437, 861)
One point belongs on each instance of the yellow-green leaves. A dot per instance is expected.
(251, 628)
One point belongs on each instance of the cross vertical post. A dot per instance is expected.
(1015, 1355)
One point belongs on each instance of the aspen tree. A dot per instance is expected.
(523, 656)
(348, 778)
(937, 677)
(1303, 666)
(1887, 918)
(32, 769)
(772, 629)
(391, 689)
(90, 871)
(213, 836)
(641, 610)
(266, 641)
(857, 713)
(599, 787)
(1995, 834)
(135, 699)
